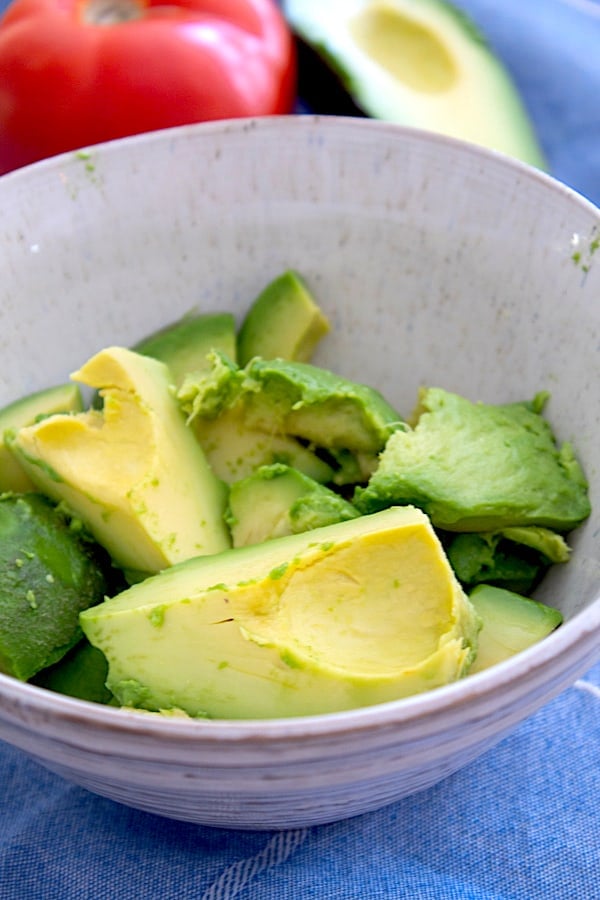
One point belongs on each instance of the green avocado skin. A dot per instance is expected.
(49, 573)
(478, 467)
(81, 673)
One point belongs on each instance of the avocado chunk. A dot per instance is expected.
(296, 399)
(510, 623)
(478, 467)
(356, 613)
(184, 345)
(234, 451)
(317, 405)
(133, 471)
(233, 448)
(278, 500)
(421, 63)
(514, 558)
(49, 573)
(81, 673)
(62, 398)
(284, 321)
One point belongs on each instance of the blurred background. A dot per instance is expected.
(551, 50)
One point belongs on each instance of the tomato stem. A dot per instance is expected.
(112, 12)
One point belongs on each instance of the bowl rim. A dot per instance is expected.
(478, 688)
(302, 121)
(466, 694)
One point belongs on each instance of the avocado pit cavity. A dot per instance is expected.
(347, 615)
(407, 49)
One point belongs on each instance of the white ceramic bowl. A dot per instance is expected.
(438, 263)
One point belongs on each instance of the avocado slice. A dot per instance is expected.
(49, 573)
(317, 405)
(514, 558)
(360, 612)
(133, 471)
(292, 398)
(61, 398)
(184, 345)
(284, 321)
(278, 500)
(479, 467)
(421, 63)
(234, 450)
(510, 624)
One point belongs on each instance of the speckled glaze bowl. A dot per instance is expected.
(438, 263)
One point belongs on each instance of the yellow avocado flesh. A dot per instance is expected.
(133, 472)
(62, 398)
(347, 615)
(235, 451)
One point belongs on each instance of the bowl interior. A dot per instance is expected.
(438, 263)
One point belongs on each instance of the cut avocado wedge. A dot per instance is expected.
(296, 399)
(421, 63)
(356, 613)
(480, 467)
(234, 450)
(184, 345)
(133, 472)
(63, 398)
(510, 624)
(284, 321)
(277, 500)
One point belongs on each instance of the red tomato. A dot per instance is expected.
(77, 72)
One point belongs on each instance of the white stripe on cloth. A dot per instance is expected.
(235, 878)
(593, 689)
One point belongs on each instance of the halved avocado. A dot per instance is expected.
(421, 63)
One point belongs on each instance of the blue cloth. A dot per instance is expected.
(551, 48)
(520, 823)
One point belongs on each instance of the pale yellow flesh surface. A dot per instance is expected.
(60, 399)
(347, 615)
(234, 450)
(134, 472)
